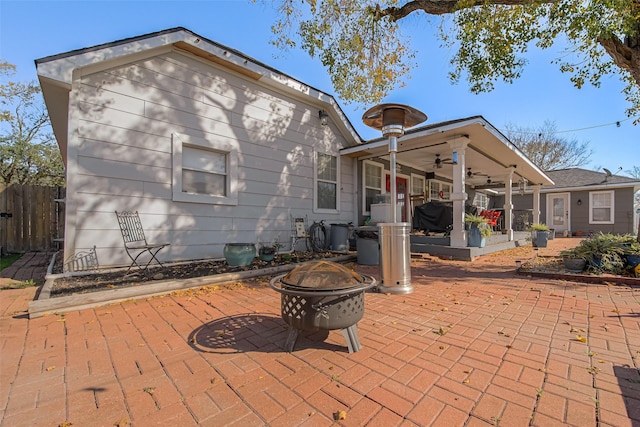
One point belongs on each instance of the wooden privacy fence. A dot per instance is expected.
(31, 218)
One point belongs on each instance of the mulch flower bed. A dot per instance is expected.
(102, 280)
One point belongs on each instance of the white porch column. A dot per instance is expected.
(536, 204)
(508, 204)
(459, 196)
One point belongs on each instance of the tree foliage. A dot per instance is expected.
(546, 149)
(367, 55)
(634, 172)
(28, 152)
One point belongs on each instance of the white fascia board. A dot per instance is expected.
(62, 69)
(496, 133)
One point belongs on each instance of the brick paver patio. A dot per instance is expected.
(474, 345)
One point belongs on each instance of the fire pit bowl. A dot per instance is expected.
(322, 295)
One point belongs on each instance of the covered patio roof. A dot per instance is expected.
(489, 154)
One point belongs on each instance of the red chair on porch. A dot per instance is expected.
(491, 216)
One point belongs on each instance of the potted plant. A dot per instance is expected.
(575, 259)
(604, 252)
(476, 224)
(267, 252)
(539, 235)
(631, 248)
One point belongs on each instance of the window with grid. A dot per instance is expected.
(203, 171)
(601, 207)
(417, 185)
(439, 190)
(372, 184)
(326, 178)
(481, 200)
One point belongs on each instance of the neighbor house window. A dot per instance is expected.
(372, 184)
(204, 171)
(326, 178)
(601, 207)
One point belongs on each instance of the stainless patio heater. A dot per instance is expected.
(395, 247)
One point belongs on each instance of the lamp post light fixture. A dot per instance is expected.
(394, 239)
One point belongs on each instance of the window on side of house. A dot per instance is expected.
(601, 207)
(481, 200)
(204, 171)
(326, 183)
(372, 184)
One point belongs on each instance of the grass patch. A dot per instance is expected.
(6, 261)
(14, 284)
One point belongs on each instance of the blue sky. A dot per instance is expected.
(34, 29)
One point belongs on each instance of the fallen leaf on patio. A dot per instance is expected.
(601, 361)
(441, 331)
(340, 415)
(65, 424)
(149, 390)
(581, 338)
(50, 368)
(573, 329)
(122, 422)
(442, 347)
(606, 327)
(467, 381)
(615, 311)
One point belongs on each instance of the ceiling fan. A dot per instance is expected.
(439, 162)
(472, 174)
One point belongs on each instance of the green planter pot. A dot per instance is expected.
(267, 256)
(239, 254)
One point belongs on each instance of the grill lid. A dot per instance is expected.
(322, 275)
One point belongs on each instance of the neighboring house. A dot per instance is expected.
(583, 201)
(211, 146)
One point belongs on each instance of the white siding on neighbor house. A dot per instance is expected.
(120, 149)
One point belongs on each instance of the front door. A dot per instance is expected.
(401, 196)
(558, 211)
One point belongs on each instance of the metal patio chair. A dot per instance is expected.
(135, 242)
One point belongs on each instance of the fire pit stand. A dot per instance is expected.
(322, 295)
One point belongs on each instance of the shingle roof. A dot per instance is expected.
(576, 177)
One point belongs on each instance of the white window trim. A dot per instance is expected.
(316, 209)
(440, 184)
(420, 177)
(177, 141)
(364, 183)
(613, 206)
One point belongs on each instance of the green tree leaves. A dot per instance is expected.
(28, 152)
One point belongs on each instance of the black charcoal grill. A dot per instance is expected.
(322, 295)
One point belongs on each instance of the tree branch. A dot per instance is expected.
(436, 7)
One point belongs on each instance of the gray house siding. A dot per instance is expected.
(120, 154)
(578, 213)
